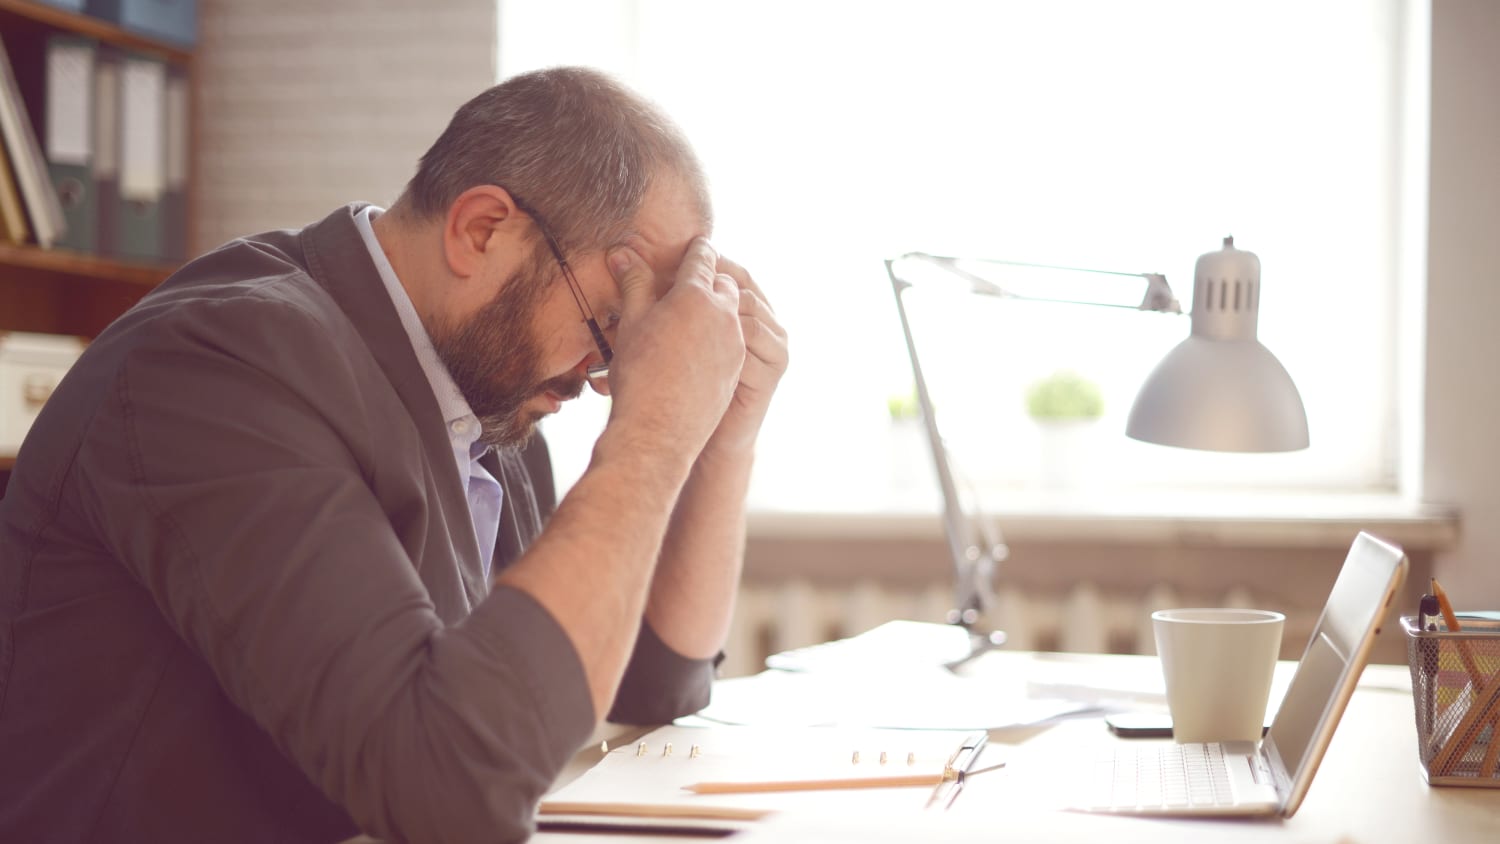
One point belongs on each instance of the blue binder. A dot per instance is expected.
(169, 20)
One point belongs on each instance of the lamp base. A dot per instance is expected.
(980, 642)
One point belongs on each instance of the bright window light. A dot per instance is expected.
(1118, 136)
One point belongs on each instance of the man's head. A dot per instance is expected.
(570, 150)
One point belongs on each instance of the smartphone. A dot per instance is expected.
(1140, 724)
(1144, 724)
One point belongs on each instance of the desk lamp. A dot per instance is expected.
(1218, 390)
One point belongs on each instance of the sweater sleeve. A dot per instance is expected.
(226, 470)
(661, 684)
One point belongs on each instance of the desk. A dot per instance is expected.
(1369, 788)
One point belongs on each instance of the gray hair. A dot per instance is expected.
(571, 143)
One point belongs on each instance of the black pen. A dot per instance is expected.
(957, 770)
(1428, 610)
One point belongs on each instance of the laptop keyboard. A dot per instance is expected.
(1160, 777)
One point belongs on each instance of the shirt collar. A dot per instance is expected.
(462, 424)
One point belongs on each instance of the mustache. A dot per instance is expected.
(565, 387)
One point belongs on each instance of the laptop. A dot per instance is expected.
(1269, 777)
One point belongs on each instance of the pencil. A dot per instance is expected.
(926, 780)
(1466, 730)
(1450, 619)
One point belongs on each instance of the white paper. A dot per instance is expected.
(142, 127)
(913, 699)
(900, 642)
(70, 74)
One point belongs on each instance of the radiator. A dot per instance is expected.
(773, 616)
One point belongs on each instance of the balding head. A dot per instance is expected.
(571, 143)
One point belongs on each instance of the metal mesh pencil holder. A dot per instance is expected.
(1455, 684)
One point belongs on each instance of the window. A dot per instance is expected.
(1120, 136)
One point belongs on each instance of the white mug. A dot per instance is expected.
(1218, 664)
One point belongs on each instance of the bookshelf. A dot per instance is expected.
(58, 291)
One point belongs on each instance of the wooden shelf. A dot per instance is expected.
(77, 264)
(23, 12)
(59, 291)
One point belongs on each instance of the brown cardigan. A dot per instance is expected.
(240, 596)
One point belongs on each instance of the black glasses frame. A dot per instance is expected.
(599, 370)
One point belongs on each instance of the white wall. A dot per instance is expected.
(1462, 420)
(303, 107)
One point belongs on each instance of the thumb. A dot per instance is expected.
(635, 279)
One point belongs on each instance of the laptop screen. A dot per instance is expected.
(1335, 655)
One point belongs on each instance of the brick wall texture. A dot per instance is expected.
(301, 107)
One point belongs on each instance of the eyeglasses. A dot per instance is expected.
(597, 371)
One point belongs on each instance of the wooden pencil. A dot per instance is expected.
(907, 781)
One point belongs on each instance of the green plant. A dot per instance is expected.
(1064, 395)
(902, 406)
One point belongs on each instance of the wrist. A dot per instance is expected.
(661, 459)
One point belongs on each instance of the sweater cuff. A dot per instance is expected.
(661, 684)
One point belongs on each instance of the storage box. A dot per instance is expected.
(1455, 683)
(169, 20)
(31, 365)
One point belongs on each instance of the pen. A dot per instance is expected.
(957, 770)
(1427, 613)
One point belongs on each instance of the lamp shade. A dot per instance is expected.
(1220, 389)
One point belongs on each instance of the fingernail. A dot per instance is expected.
(619, 260)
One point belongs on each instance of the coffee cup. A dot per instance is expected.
(1217, 663)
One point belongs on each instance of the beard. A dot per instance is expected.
(496, 362)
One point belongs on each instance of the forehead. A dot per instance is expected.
(670, 218)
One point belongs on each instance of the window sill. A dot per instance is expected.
(1256, 520)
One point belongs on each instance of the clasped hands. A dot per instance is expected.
(700, 353)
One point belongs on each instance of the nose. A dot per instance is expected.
(598, 378)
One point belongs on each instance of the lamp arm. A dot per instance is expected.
(1157, 296)
(973, 566)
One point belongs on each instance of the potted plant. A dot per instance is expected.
(1065, 405)
(911, 461)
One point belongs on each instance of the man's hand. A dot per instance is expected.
(679, 358)
(765, 363)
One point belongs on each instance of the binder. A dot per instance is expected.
(28, 164)
(142, 157)
(54, 74)
(175, 176)
(65, 111)
(13, 228)
(107, 150)
(172, 20)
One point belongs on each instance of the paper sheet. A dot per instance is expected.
(639, 784)
(913, 699)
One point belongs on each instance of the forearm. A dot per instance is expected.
(692, 595)
(592, 567)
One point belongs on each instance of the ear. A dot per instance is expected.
(474, 228)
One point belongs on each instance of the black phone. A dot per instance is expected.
(1140, 724)
(1145, 724)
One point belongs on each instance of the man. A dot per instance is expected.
(246, 552)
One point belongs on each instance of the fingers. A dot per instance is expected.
(741, 277)
(757, 317)
(635, 279)
(637, 282)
